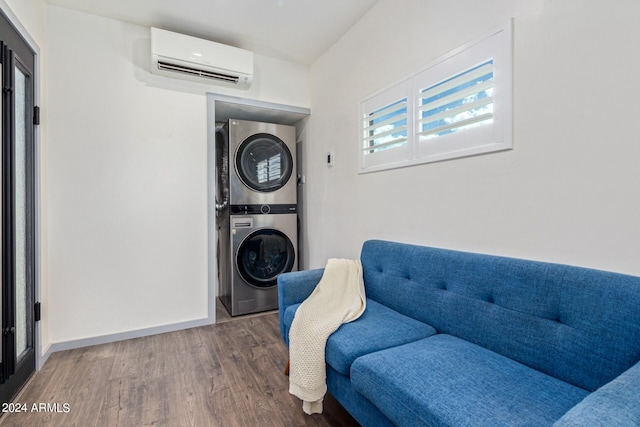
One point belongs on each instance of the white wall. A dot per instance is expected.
(32, 15)
(127, 176)
(567, 193)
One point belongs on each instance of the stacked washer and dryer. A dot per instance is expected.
(256, 213)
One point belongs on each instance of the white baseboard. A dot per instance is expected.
(121, 336)
(43, 358)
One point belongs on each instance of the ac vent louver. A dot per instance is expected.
(195, 72)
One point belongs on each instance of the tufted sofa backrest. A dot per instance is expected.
(576, 324)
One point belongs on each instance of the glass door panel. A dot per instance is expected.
(20, 211)
(1, 228)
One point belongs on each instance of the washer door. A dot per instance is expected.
(263, 255)
(264, 162)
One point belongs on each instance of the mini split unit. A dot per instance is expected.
(190, 58)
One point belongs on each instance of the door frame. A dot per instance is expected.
(17, 24)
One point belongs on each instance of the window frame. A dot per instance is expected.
(495, 45)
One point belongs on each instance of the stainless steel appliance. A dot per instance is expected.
(254, 249)
(262, 169)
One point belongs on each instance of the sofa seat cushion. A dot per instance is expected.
(445, 381)
(378, 328)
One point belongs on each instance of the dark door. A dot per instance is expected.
(18, 206)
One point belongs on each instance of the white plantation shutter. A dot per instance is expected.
(385, 127)
(463, 101)
(457, 106)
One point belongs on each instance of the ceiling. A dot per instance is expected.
(294, 30)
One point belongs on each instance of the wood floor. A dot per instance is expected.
(228, 374)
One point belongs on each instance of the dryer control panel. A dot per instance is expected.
(262, 209)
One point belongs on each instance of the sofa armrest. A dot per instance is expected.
(615, 404)
(293, 288)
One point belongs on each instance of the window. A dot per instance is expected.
(457, 106)
(461, 102)
(387, 127)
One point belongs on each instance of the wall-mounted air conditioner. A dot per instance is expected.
(185, 57)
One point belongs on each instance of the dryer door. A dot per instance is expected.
(264, 162)
(263, 255)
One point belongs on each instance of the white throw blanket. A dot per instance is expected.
(338, 298)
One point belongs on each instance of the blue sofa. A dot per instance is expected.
(461, 339)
